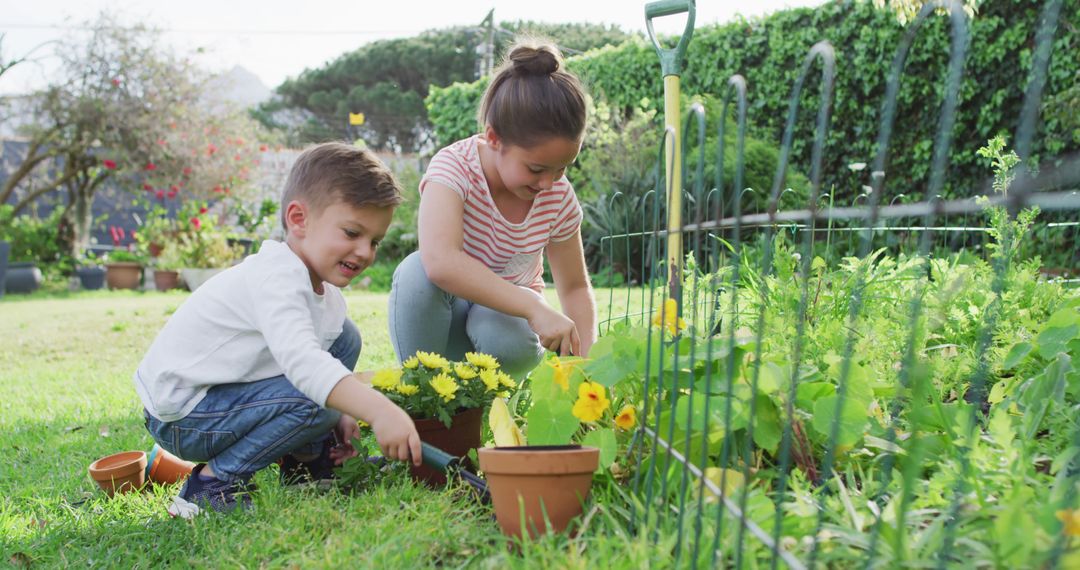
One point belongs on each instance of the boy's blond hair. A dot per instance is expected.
(327, 172)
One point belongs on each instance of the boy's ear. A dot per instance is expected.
(492, 138)
(296, 216)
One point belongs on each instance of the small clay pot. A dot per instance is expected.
(165, 280)
(123, 275)
(120, 473)
(463, 434)
(165, 468)
(549, 482)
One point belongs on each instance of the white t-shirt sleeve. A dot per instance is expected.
(282, 314)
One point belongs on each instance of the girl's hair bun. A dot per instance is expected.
(534, 60)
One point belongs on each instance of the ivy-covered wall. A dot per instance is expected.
(769, 53)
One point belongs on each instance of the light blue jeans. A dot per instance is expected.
(424, 317)
(241, 428)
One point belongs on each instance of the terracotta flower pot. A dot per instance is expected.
(165, 280)
(120, 473)
(123, 275)
(548, 482)
(165, 468)
(462, 435)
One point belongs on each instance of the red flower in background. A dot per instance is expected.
(262, 148)
(148, 187)
(211, 149)
(171, 194)
(187, 171)
(196, 223)
(110, 164)
(160, 194)
(174, 188)
(117, 234)
(203, 210)
(116, 82)
(151, 166)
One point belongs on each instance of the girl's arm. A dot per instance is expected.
(567, 261)
(442, 254)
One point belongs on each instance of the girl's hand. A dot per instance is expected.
(556, 331)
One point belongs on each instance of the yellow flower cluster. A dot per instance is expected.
(481, 360)
(592, 402)
(432, 360)
(445, 386)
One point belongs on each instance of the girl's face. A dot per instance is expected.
(526, 172)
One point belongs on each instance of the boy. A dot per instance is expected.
(257, 363)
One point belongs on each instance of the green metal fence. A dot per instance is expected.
(771, 432)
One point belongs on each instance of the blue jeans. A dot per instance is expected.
(241, 428)
(424, 317)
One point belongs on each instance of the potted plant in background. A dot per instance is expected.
(167, 267)
(124, 269)
(90, 272)
(445, 399)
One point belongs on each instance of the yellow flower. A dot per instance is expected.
(464, 371)
(506, 380)
(1070, 518)
(407, 389)
(503, 427)
(490, 378)
(411, 363)
(481, 360)
(627, 417)
(591, 402)
(444, 386)
(561, 374)
(668, 317)
(432, 360)
(386, 379)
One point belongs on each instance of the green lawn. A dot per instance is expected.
(66, 398)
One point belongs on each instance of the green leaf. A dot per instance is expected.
(1055, 339)
(767, 425)
(551, 422)
(808, 393)
(604, 439)
(1016, 355)
(853, 419)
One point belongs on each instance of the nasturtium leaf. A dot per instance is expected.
(1016, 355)
(604, 440)
(809, 392)
(1055, 339)
(767, 424)
(853, 419)
(551, 422)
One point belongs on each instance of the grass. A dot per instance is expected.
(66, 398)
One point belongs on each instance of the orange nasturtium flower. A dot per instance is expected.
(668, 317)
(591, 402)
(626, 418)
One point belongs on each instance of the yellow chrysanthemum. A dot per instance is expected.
(445, 386)
(490, 378)
(411, 363)
(561, 374)
(432, 360)
(627, 417)
(506, 380)
(1071, 520)
(407, 389)
(668, 317)
(386, 379)
(591, 402)
(464, 371)
(481, 360)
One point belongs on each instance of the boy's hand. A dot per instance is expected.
(556, 331)
(396, 434)
(345, 431)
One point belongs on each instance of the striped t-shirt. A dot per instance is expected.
(513, 251)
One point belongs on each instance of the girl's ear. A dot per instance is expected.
(492, 138)
(296, 218)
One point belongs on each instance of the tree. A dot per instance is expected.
(123, 108)
(388, 80)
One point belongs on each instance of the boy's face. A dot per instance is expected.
(338, 243)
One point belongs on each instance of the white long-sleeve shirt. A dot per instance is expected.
(253, 321)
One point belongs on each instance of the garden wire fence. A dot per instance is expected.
(744, 457)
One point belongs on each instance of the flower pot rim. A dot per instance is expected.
(539, 460)
(118, 465)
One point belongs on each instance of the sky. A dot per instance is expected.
(278, 39)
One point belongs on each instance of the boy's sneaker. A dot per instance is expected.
(200, 495)
(294, 472)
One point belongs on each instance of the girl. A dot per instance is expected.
(491, 205)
